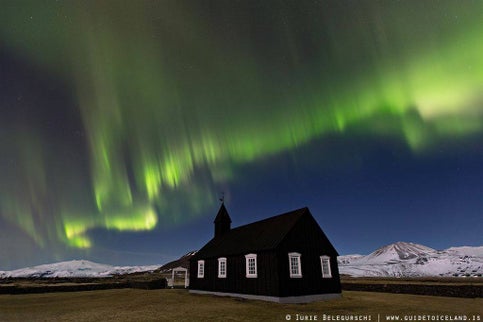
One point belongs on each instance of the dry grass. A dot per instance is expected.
(178, 305)
(415, 280)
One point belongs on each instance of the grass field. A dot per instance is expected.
(179, 305)
(436, 286)
(415, 280)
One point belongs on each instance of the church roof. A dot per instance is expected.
(258, 236)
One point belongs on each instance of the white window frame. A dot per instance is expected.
(248, 258)
(296, 257)
(201, 268)
(327, 260)
(222, 263)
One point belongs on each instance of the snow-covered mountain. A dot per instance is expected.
(412, 260)
(397, 252)
(347, 259)
(75, 268)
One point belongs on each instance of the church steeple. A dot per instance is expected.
(222, 221)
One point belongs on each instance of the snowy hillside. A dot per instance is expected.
(183, 261)
(347, 259)
(75, 268)
(412, 260)
(466, 251)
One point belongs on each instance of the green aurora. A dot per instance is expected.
(174, 96)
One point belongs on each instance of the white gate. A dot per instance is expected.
(171, 282)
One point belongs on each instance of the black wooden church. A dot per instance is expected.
(285, 259)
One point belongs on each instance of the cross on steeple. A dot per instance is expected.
(222, 198)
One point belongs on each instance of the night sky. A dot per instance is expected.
(122, 122)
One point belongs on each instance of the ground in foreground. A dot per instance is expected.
(179, 305)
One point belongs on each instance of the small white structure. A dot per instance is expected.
(178, 270)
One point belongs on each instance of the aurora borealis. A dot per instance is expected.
(122, 121)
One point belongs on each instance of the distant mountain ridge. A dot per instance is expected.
(84, 268)
(74, 268)
(404, 259)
